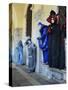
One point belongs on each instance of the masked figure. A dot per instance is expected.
(53, 41)
(43, 42)
(31, 49)
(19, 53)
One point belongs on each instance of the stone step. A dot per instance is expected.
(53, 73)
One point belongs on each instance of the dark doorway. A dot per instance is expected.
(29, 20)
(62, 12)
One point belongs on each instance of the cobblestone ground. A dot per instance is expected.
(21, 77)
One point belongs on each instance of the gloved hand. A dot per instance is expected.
(49, 30)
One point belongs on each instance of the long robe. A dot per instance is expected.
(43, 42)
(54, 46)
(18, 54)
(32, 56)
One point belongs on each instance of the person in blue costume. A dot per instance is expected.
(20, 48)
(19, 53)
(43, 41)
